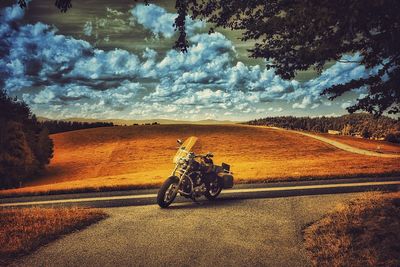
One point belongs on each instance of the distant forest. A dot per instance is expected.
(25, 145)
(55, 126)
(357, 124)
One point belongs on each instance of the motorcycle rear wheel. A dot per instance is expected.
(168, 192)
(213, 191)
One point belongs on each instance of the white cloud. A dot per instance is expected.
(106, 64)
(43, 97)
(279, 109)
(72, 78)
(11, 13)
(304, 103)
(346, 104)
(160, 22)
(309, 93)
(88, 28)
(114, 12)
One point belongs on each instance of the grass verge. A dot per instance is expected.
(363, 232)
(24, 230)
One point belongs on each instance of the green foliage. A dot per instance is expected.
(13, 153)
(366, 133)
(25, 146)
(44, 147)
(363, 124)
(301, 34)
(393, 137)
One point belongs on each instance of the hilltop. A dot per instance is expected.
(147, 121)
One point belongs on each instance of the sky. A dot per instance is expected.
(114, 60)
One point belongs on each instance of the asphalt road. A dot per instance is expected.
(251, 225)
(252, 232)
(242, 191)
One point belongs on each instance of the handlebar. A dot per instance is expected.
(208, 155)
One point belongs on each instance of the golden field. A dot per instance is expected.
(141, 156)
(24, 230)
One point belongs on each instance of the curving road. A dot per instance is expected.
(339, 145)
(251, 225)
(257, 232)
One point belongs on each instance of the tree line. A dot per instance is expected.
(360, 124)
(56, 126)
(25, 145)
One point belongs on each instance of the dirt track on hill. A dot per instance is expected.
(343, 146)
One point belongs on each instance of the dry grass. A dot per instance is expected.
(24, 230)
(372, 145)
(140, 156)
(364, 232)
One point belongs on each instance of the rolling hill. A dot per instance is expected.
(117, 157)
(140, 122)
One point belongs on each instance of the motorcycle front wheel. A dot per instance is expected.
(168, 192)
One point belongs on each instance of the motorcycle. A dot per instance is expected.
(194, 175)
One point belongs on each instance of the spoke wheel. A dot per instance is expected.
(168, 192)
(213, 190)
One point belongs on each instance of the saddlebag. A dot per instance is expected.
(227, 180)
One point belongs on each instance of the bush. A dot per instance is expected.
(393, 137)
(366, 133)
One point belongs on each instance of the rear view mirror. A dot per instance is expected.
(179, 141)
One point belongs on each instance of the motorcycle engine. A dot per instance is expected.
(198, 184)
(196, 178)
(199, 190)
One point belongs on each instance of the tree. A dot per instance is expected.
(365, 133)
(44, 148)
(25, 146)
(16, 158)
(296, 35)
(393, 137)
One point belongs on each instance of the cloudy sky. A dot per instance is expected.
(115, 60)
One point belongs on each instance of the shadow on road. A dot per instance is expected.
(225, 202)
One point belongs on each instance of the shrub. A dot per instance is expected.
(393, 137)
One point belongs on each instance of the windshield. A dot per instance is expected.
(185, 148)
